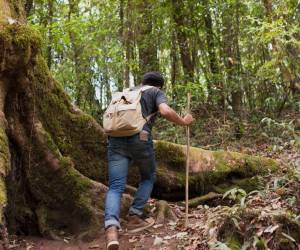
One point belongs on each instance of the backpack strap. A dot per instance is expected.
(150, 116)
(143, 88)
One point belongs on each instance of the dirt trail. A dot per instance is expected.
(166, 237)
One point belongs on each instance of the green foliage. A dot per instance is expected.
(282, 134)
(231, 55)
(236, 194)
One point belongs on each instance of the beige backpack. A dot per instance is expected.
(124, 117)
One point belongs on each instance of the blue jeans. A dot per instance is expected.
(121, 151)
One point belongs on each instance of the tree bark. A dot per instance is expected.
(126, 36)
(146, 42)
(179, 16)
(50, 35)
(214, 78)
(233, 60)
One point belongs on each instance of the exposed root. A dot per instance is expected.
(202, 199)
(164, 213)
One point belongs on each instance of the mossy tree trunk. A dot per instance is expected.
(53, 156)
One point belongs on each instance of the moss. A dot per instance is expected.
(242, 164)
(233, 243)
(17, 8)
(23, 41)
(64, 185)
(221, 162)
(21, 36)
(249, 184)
(41, 213)
(210, 170)
(61, 192)
(5, 35)
(73, 133)
(4, 168)
(4, 153)
(169, 154)
(3, 198)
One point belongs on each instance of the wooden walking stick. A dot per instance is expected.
(187, 165)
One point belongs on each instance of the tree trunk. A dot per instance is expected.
(291, 81)
(179, 16)
(53, 156)
(174, 66)
(233, 60)
(214, 78)
(126, 36)
(49, 23)
(146, 42)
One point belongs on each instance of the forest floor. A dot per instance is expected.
(267, 218)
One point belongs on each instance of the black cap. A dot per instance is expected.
(153, 78)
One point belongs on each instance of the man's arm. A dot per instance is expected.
(167, 112)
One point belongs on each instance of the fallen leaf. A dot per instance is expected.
(271, 229)
(181, 235)
(132, 240)
(94, 247)
(157, 241)
(288, 237)
(29, 247)
(13, 246)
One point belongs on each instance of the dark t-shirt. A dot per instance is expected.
(151, 99)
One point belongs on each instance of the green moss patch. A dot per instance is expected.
(72, 132)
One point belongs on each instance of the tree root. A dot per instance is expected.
(164, 213)
(202, 199)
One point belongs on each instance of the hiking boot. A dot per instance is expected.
(137, 223)
(112, 238)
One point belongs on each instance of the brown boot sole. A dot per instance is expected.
(139, 229)
(113, 245)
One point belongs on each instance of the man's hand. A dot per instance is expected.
(172, 116)
(188, 119)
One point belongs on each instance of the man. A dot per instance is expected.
(137, 148)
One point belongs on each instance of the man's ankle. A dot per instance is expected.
(112, 242)
(112, 226)
(134, 211)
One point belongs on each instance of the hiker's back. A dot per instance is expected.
(150, 100)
